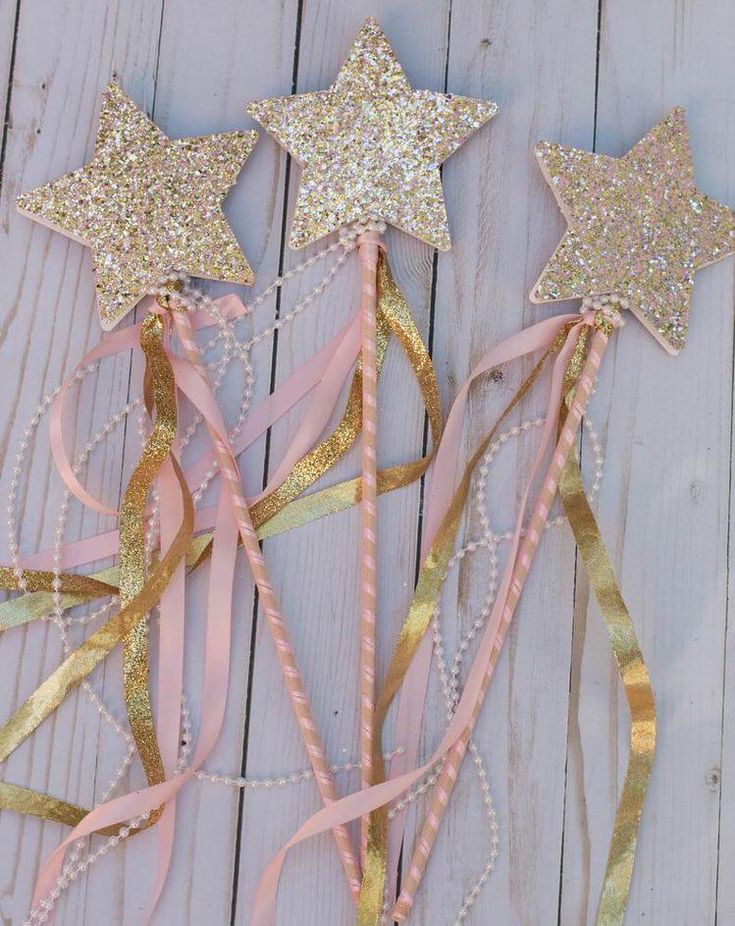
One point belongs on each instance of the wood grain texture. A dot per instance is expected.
(554, 729)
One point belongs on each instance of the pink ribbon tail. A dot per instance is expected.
(369, 799)
(442, 483)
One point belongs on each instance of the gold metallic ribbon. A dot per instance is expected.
(638, 692)
(428, 588)
(49, 695)
(138, 594)
(161, 394)
(36, 580)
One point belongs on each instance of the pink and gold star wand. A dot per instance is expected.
(370, 148)
(638, 230)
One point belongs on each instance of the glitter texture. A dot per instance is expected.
(370, 146)
(638, 227)
(147, 205)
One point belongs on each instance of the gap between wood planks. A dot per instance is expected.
(264, 482)
(571, 700)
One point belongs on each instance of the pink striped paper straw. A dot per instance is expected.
(450, 769)
(271, 609)
(368, 251)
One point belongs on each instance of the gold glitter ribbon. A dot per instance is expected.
(428, 588)
(71, 585)
(160, 393)
(280, 511)
(638, 692)
(138, 595)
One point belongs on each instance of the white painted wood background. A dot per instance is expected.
(554, 730)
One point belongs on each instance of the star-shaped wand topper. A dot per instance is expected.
(638, 227)
(147, 206)
(371, 146)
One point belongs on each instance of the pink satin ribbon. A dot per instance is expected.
(216, 678)
(324, 374)
(333, 361)
(126, 339)
(363, 802)
(443, 480)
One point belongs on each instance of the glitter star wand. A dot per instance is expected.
(370, 148)
(150, 209)
(638, 230)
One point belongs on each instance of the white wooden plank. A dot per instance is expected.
(63, 57)
(721, 777)
(316, 569)
(664, 503)
(503, 228)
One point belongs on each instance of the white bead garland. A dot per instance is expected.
(233, 348)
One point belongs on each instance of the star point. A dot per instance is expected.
(147, 205)
(637, 226)
(370, 147)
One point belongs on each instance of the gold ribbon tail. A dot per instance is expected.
(638, 691)
(139, 593)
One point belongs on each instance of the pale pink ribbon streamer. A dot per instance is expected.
(126, 339)
(214, 697)
(362, 802)
(341, 352)
(501, 619)
(335, 358)
(190, 378)
(147, 799)
(441, 488)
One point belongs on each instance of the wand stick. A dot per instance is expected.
(368, 244)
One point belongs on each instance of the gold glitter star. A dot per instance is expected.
(371, 146)
(147, 206)
(637, 227)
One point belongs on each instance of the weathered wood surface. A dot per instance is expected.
(554, 729)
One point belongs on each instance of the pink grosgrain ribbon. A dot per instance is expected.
(366, 800)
